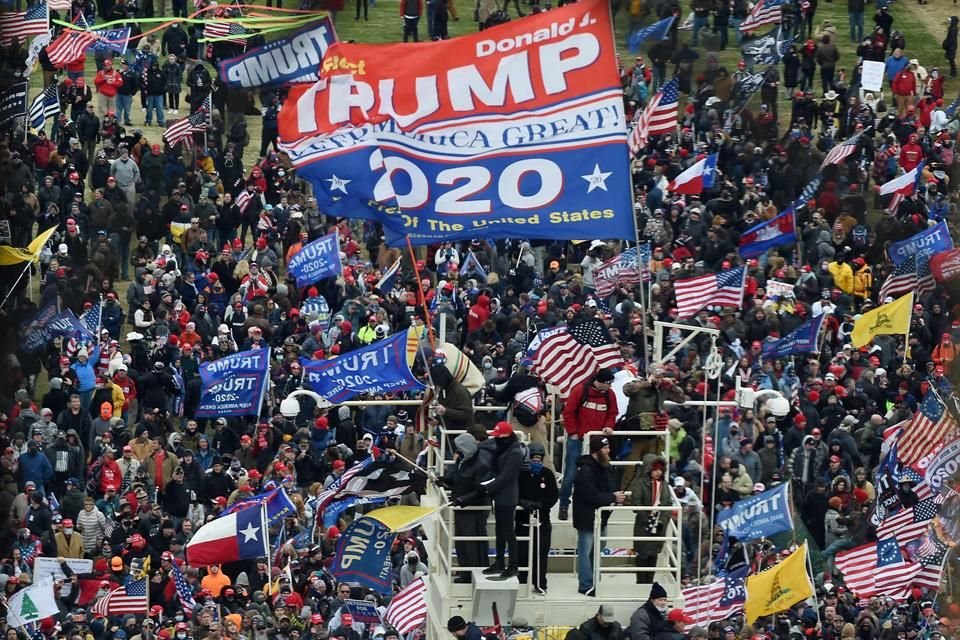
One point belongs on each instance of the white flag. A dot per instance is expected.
(32, 604)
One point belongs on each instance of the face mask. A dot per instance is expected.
(179, 617)
(64, 592)
(536, 467)
(68, 530)
(662, 609)
(181, 636)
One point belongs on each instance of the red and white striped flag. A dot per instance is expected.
(930, 425)
(764, 12)
(408, 609)
(69, 47)
(909, 524)
(184, 128)
(659, 117)
(59, 5)
(129, 599)
(572, 355)
(244, 200)
(705, 603)
(724, 289)
(842, 151)
(862, 576)
(908, 276)
(16, 25)
(225, 31)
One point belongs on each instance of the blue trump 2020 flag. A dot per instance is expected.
(776, 232)
(926, 243)
(279, 505)
(363, 555)
(235, 385)
(657, 31)
(380, 367)
(759, 516)
(317, 260)
(803, 339)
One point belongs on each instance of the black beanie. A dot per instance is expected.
(657, 591)
(456, 623)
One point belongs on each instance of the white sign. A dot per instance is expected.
(43, 567)
(871, 77)
(780, 289)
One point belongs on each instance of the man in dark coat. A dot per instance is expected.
(538, 493)
(650, 615)
(593, 487)
(463, 478)
(504, 488)
(602, 626)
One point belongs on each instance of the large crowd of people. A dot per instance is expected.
(104, 456)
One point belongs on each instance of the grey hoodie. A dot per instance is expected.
(466, 444)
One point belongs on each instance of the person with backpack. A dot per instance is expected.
(527, 405)
(504, 487)
(463, 478)
(590, 407)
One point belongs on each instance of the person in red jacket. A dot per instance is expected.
(589, 407)
(41, 154)
(911, 154)
(108, 82)
(478, 314)
(904, 87)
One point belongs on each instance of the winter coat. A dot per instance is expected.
(589, 409)
(593, 487)
(504, 486)
(649, 523)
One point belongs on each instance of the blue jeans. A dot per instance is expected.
(584, 560)
(856, 26)
(572, 450)
(124, 104)
(698, 24)
(155, 103)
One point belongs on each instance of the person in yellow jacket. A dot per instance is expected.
(842, 273)
(862, 280)
(116, 396)
(368, 333)
(69, 542)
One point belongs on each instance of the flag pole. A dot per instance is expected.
(22, 625)
(266, 542)
(17, 282)
(906, 335)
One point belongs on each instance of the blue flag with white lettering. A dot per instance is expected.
(363, 555)
(803, 339)
(234, 385)
(657, 31)
(759, 516)
(378, 368)
(926, 243)
(317, 260)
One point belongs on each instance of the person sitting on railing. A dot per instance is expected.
(649, 489)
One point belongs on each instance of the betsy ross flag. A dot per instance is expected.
(929, 426)
(69, 47)
(716, 601)
(659, 30)
(186, 127)
(723, 289)
(224, 31)
(621, 269)
(16, 25)
(909, 276)
(45, 105)
(408, 609)
(776, 232)
(764, 12)
(842, 151)
(131, 598)
(659, 117)
(572, 355)
(881, 568)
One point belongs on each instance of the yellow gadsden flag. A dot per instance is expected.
(779, 588)
(892, 318)
(14, 255)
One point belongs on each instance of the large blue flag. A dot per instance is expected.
(317, 260)
(926, 243)
(776, 232)
(657, 31)
(234, 385)
(363, 555)
(48, 324)
(380, 367)
(803, 339)
(279, 505)
(759, 516)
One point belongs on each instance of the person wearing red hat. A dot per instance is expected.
(68, 541)
(504, 488)
(945, 352)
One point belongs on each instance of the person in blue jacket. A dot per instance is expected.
(35, 467)
(85, 370)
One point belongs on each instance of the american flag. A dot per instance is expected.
(328, 495)
(572, 355)
(131, 598)
(724, 289)
(860, 568)
(911, 523)
(659, 117)
(186, 127)
(60, 5)
(931, 551)
(713, 602)
(225, 32)
(69, 47)
(92, 319)
(23, 24)
(243, 200)
(907, 277)
(764, 12)
(930, 425)
(183, 589)
(45, 105)
(621, 269)
(842, 151)
(408, 609)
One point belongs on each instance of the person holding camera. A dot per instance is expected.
(463, 478)
(649, 489)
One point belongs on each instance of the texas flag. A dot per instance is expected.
(775, 232)
(697, 178)
(236, 536)
(904, 185)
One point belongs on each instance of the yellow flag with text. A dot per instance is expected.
(779, 588)
(892, 318)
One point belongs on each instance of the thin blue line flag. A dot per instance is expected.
(657, 31)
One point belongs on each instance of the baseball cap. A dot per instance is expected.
(501, 430)
(677, 615)
(606, 612)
